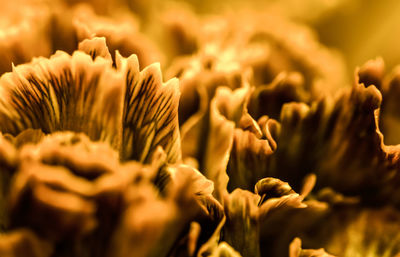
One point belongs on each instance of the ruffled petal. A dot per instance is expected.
(150, 116)
(64, 93)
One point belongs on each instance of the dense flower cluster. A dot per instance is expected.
(256, 144)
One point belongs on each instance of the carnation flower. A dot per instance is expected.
(255, 145)
(118, 106)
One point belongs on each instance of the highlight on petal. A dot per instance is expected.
(296, 251)
(201, 185)
(225, 250)
(24, 242)
(271, 188)
(95, 47)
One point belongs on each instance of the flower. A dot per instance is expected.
(254, 146)
(72, 196)
(84, 93)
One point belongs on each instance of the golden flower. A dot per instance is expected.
(259, 149)
(63, 193)
(71, 196)
(84, 93)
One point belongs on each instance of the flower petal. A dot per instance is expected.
(95, 47)
(63, 93)
(241, 230)
(8, 166)
(296, 251)
(268, 100)
(150, 116)
(338, 139)
(225, 250)
(23, 242)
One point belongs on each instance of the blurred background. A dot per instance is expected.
(359, 29)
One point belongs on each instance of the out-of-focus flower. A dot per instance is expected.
(121, 34)
(261, 41)
(71, 196)
(23, 24)
(8, 165)
(357, 231)
(52, 26)
(296, 251)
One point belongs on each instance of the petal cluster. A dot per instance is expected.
(258, 143)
